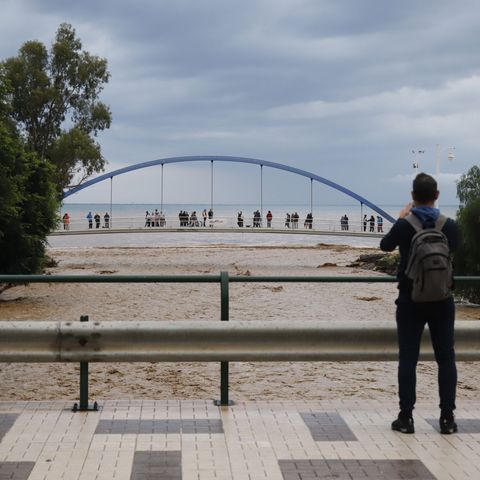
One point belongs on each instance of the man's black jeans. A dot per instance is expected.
(411, 320)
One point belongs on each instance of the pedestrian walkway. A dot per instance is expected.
(194, 440)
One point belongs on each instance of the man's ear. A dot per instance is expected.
(437, 194)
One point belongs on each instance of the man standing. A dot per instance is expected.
(90, 220)
(379, 224)
(96, 217)
(412, 315)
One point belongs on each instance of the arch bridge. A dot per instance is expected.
(232, 159)
(212, 158)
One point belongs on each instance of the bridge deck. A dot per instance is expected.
(218, 230)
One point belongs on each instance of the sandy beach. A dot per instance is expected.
(296, 302)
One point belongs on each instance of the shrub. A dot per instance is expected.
(28, 205)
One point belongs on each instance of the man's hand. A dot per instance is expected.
(405, 210)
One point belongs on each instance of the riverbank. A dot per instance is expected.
(295, 302)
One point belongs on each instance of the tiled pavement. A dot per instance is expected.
(194, 440)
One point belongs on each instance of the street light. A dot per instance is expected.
(416, 162)
(450, 156)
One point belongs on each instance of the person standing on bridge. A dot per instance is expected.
(66, 221)
(204, 216)
(90, 220)
(269, 219)
(418, 219)
(256, 218)
(295, 218)
(379, 224)
(372, 223)
(308, 221)
(240, 219)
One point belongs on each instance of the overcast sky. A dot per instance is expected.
(343, 88)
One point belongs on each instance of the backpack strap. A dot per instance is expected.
(439, 224)
(414, 221)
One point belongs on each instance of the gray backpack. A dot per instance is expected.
(429, 262)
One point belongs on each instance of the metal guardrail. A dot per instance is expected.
(207, 341)
(24, 279)
(253, 341)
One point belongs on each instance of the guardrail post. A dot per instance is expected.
(84, 384)
(224, 317)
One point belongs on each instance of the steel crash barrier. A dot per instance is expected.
(206, 341)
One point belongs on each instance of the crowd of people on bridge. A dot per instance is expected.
(291, 220)
(371, 223)
(97, 219)
(156, 218)
(191, 220)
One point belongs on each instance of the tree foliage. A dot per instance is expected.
(53, 99)
(28, 205)
(467, 257)
(468, 187)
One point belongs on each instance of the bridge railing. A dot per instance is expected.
(69, 341)
(224, 222)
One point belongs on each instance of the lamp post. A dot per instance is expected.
(450, 156)
(416, 162)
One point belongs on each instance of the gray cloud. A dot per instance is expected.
(342, 88)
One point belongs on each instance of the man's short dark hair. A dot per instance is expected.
(424, 188)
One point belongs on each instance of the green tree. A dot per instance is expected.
(28, 205)
(53, 98)
(467, 257)
(468, 187)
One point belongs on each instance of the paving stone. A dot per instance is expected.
(465, 425)
(16, 470)
(151, 465)
(256, 435)
(206, 426)
(354, 469)
(328, 427)
(6, 422)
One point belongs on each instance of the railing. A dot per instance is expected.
(204, 341)
(224, 222)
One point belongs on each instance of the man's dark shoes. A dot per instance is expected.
(403, 424)
(447, 424)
